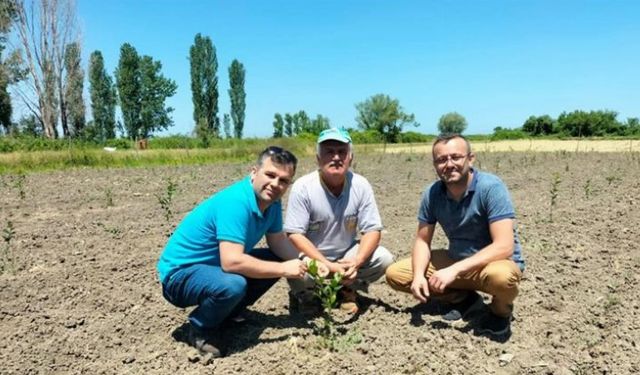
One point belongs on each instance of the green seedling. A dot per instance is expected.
(587, 188)
(7, 262)
(326, 289)
(18, 183)
(613, 178)
(108, 197)
(166, 198)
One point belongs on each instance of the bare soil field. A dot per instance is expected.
(80, 293)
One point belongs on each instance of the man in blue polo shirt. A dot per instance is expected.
(475, 212)
(210, 261)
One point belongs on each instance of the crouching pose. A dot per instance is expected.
(475, 212)
(210, 261)
(326, 210)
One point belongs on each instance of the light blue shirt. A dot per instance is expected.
(332, 223)
(466, 223)
(231, 215)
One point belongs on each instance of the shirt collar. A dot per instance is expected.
(470, 189)
(251, 196)
(345, 186)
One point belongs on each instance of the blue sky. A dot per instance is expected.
(494, 62)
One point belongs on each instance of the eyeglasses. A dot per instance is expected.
(455, 159)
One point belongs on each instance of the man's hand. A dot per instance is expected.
(351, 269)
(420, 289)
(294, 269)
(336, 267)
(442, 278)
(323, 270)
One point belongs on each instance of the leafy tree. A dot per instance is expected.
(385, 115)
(6, 108)
(318, 124)
(278, 126)
(103, 99)
(74, 86)
(154, 115)
(288, 125)
(237, 96)
(226, 122)
(632, 127)
(541, 125)
(142, 90)
(204, 86)
(128, 81)
(30, 126)
(301, 121)
(586, 124)
(452, 122)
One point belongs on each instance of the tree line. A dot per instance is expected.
(46, 72)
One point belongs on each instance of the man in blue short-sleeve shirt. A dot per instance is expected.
(484, 254)
(210, 261)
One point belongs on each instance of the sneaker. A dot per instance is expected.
(205, 342)
(460, 310)
(494, 325)
(349, 300)
(304, 302)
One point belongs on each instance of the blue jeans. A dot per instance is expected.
(218, 294)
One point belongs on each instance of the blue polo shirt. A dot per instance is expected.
(231, 214)
(466, 223)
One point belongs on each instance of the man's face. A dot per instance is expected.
(452, 161)
(334, 158)
(271, 181)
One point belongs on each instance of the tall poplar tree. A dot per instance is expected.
(204, 87)
(74, 86)
(7, 15)
(129, 89)
(237, 96)
(278, 126)
(103, 98)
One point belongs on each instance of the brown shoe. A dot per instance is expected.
(349, 300)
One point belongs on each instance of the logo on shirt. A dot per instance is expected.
(351, 223)
(314, 226)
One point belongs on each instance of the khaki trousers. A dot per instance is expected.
(500, 279)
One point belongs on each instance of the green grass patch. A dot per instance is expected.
(75, 157)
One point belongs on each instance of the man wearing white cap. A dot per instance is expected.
(325, 212)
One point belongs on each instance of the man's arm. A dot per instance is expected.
(234, 260)
(501, 247)
(302, 243)
(420, 257)
(280, 245)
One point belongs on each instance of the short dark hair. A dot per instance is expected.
(446, 137)
(277, 155)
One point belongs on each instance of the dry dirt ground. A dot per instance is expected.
(79, 292)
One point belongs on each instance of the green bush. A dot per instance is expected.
(366, 136)
(502, 134)
(415, 137)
